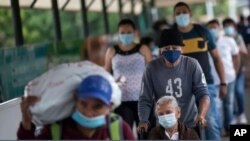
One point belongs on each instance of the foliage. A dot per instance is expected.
(37, 25)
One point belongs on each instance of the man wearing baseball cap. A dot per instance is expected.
(176, 75)
(91, 119)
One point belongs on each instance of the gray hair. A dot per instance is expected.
(167, 99)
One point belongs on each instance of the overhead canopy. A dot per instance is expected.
(94, 5)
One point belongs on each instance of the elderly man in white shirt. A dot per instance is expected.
(229, 53)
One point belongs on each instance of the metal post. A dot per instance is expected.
(56, 18)
(105, 16)
(17, 22)
(133, 8)
(249, 5)
(133, 16)
(120, 8)
(84, 18)
(154, 11)
(209, 9)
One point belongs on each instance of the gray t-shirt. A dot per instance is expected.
(186, 82)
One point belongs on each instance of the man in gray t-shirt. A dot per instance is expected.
(176, 75)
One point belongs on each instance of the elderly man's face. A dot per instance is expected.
(167, 108)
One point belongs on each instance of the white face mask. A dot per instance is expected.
(182, 20)
(168, 120)
(229, 30)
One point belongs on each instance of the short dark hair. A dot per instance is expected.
(182, 4)
(146, 40)
(127, 22)
(214, 21)
(159, 23)
(228, 21)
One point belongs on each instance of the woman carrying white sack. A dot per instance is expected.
(70, 93)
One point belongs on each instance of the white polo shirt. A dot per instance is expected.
(227, 48)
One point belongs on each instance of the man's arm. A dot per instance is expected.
(200, 91)
(108, 59)
(204, 104)
(145, 51)
(236, 62)
(235, 50)
(145, 100)
(218, 64)
(220, 71)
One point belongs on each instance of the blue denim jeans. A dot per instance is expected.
(212, 130)
(227, 105)
(239, 94)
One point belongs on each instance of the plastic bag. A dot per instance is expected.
(56, 88)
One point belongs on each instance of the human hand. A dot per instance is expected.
(26, 115)
(201, 120)
(223, 91)
(142, 125)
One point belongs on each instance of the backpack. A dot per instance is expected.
(114, 126)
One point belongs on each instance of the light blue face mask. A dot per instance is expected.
(126, 39)
(182, 20)
(214, 32)
(87, 122)
(168, 120)
(229, 30)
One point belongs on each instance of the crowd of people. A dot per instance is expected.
(182, 78)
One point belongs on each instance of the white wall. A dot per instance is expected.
(10, 117)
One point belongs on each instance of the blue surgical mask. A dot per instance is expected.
(214, 32)
(87, 122)
(126, 39)
(168, 120)
(172, 55)
(182, 20)
(229, 30)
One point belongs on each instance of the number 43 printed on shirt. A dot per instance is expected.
(176, 83)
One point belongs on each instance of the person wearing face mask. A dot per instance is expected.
(229, 52)
(128, 60)
(175, 75)
(148, 41)
(198, 43)
(170, 128)
(90, 121)
(239, 110)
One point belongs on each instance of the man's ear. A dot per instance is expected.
(181, 50)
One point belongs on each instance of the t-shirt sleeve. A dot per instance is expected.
(234, 47)
(199, 89)
(210, 39)
(146, 96)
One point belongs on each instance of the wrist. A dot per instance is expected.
(223, 84)
(26, 125)
(143, 122)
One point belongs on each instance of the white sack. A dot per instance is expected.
(56, 88)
